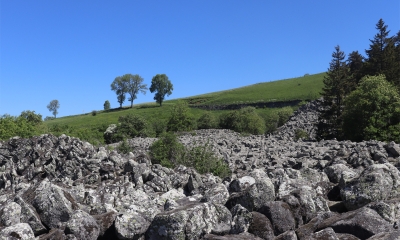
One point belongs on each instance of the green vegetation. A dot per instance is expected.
(357, 102)
(129, 126)
(181, 119)
(53, 107)
(128, 83)
(372, 111)
(300, 133)
(124, 147)
(207, 121)
(303, 88)
(169, 152)
(161, 85)
(107, 105)
(91, 129)
(245, 120)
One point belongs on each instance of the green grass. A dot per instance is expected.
(303, 88)
(91, 128)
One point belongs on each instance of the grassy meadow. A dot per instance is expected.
(90, 128)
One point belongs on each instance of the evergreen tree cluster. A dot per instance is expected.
(344, 76)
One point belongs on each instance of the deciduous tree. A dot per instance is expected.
(53, 107)
(134, 85)
(120, 88)
(162, 86)
(372, 111)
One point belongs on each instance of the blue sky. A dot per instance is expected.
(72, 50)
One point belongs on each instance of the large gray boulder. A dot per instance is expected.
(191, 221)
(83, 226)
(20, 231)
(377, 182)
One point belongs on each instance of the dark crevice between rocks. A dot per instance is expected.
(110, 233)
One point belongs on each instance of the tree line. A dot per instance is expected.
(133, 85)
(361, 93)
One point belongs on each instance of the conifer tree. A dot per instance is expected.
(382, 55)
(336, 86)
(355, 62)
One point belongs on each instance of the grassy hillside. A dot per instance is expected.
(90, 128)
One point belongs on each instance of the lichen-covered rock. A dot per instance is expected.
(10, 214)
(241, 236)
(82, 226)
(20, 231)
(217, 194)
(288, 235)
(191, 221)
(30, 216)
(131, 226)
(261, 226)
(241, 219)
(377, 182)
(362, 223)
(54, 205)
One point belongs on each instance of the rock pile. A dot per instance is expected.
(63, 188)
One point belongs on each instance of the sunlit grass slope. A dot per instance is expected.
(89, 127)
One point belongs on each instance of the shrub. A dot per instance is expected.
(129, 126)
(159, 127)
(245, 120)
(94, 113)
(124, 147)
(284, 115)
(207, 121)
(15, 126)
(300, 133)
(47, 118)
(202, 158)
(180, 119)
(167, 150)
(271, 122)
(31, 117)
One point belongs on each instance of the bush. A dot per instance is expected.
(31, 117)
(180, 119)
(129, 126)
(167, 150)
(245, 120)
(159, 127)
(124, 147)
(202, 159)
(207, 121)
(94, 113)
(16, 126)
(300, 133)
(284, 115)
(271, 122)
(47, 118)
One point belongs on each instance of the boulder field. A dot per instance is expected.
(63, 188)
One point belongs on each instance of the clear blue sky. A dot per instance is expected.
(72, 50)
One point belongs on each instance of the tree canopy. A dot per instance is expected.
(120, 88)
(372, 111)
(162, 86)
(134, 85)
(53, 107)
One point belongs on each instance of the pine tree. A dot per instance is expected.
(382, 55)
(336, 86)
(355, 62)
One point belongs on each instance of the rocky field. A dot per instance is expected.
(63, 188)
